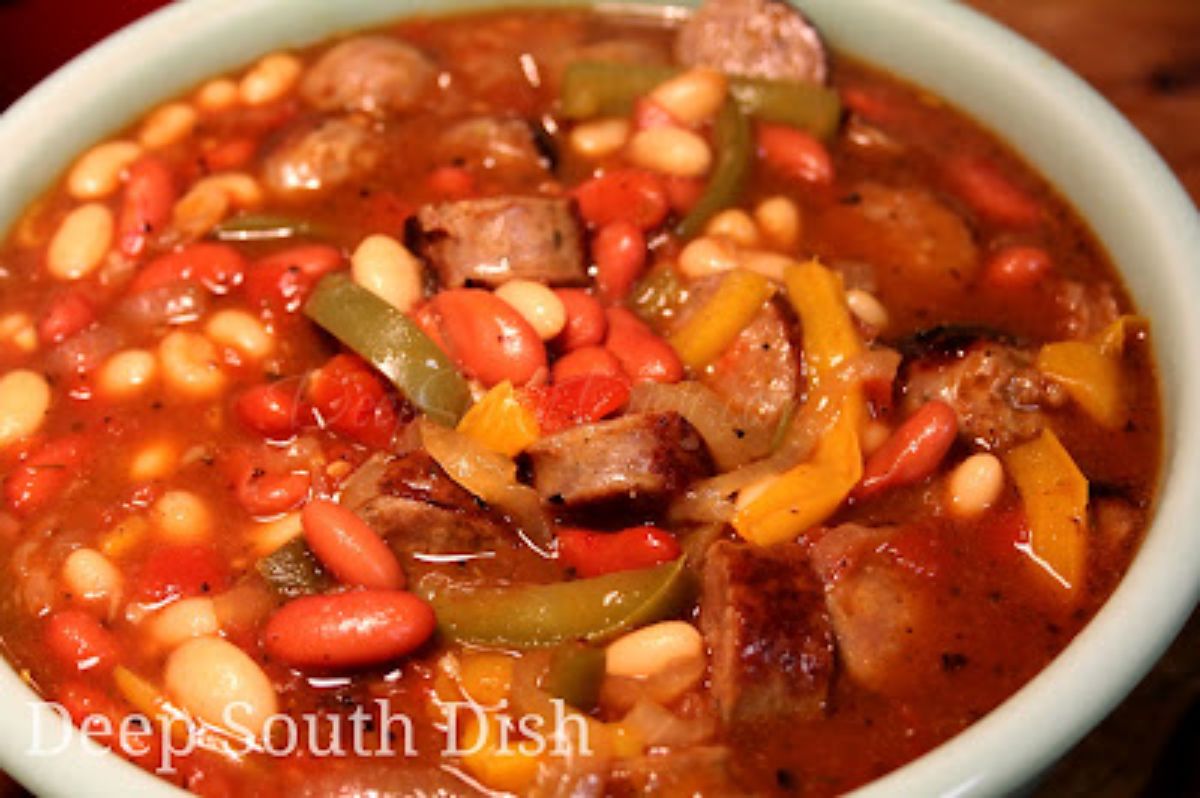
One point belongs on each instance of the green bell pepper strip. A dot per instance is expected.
(597, 88)
(735, 146)
(292, 571)
(591, 610)
(266, 227)
(392, 343)
(658, 294)
(575, 675)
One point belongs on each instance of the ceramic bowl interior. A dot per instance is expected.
(1114, 179)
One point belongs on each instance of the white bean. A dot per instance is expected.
(537, 304)
(692, 97)
(707, 255)
(184, 620)
(769, 264)
(735, 225)
(127, 374)
(167, 125)
(217, 95)
(24, 400)
(975, 485)
(867, 309)
(155, 460)
(270, 79)
(97, 174)
(601, 138)
(240, 331)
(779, 221)
(875, 433)
(219, 683)
(93, 579)
(654, 649)
(386, 268)
(182, 517)
(671, 151)
(191, 365)
(17, 329)
(82, 240)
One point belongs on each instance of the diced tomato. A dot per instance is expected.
(582, 400)
(629, 195)
(351, 400)
(68, 314)
(218, 267)
(795, 154)
(684, 192)
(180, 571)
(274, 409)
(282, 282)
(79, 642)
(597, 553)
(45, 474)
(1004, 533)
(452, 183)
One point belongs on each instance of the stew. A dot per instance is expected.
(558, 402)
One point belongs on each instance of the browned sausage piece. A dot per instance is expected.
(640, 458)
(762, 611)
(755, 38)
(376, 74)
(494, 240)
(994, 388)
(501, 144)
(320, 154)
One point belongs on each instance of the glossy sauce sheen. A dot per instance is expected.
(998, 626)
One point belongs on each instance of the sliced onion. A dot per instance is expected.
(733, 439)
(492, 477)
(657, 725)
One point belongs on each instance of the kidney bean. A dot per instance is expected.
(487, 337)
(180, 570)
(150, 195)
(642, 354)
(619, 250)
(590, 361)
(993, 196)
(348, 630)
(1017, 268)
(630, 195)
(581, 400)
(78, 641)
(262, 492)
(282, 282)
(351, 399)
(794, 154)
(218, 267)
(350, 549)
(913, 451)
(586, 323)
(273, 410)
(68, 314)
(597, 553)
(37, 482)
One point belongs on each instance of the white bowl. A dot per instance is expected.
(1110, 174)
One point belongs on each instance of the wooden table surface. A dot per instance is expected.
(1144, 55)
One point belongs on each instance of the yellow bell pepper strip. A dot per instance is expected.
(149, 701)
(1090, 371)
(498, 756)
(716, 325)
(1055, 494)
(785, 506)
(500, 422)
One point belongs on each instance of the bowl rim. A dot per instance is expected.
(1023, 736)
